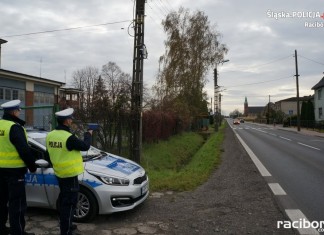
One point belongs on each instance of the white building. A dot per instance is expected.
(319, 100)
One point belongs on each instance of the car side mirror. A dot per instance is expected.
(42, 163)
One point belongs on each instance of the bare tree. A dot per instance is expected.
(85, 80)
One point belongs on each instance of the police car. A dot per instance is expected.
(109, 183)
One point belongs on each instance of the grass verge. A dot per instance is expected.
(183, 162)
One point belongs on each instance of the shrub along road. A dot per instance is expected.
(234, 200)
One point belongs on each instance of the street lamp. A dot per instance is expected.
(217, 100)
(2, 41)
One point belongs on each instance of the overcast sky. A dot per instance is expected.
(261, 36)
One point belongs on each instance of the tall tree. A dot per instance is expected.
(118, 86)
(85, 80)
(192, 48)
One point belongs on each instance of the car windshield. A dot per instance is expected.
(92, 153)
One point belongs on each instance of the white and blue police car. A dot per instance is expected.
(109, 183)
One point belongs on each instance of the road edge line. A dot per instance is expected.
(263, 171)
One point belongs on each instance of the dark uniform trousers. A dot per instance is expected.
(68, 198)
(13, 191)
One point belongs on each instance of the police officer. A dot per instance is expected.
(64, 152)
(15, 158)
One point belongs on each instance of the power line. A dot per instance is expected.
(66, 29)
(255, 83)
(255, 96)
(311, 60)
(164, 7)
(153, 9)
(167, 1)
(156, 23)
(162, 13)
(270, 62)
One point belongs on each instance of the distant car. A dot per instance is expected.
(109, 183)
(242, 120)
(236, 122)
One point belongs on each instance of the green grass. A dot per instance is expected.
(183, 162)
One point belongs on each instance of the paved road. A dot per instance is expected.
(295, 163)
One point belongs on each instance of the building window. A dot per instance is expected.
(41, 98)
(319, 94)
(74, 97)
(11, 94)
(320, 112)
(7, 94)
(15, 94)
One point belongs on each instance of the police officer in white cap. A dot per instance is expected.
(64, 152)
(15, 158)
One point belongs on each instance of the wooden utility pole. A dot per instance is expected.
(216, 99)
(268, 119)
(137, 83)
(297, 86)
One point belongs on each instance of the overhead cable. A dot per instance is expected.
(66, 29)
(311, 60)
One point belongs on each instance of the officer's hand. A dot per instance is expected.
(90, 131)
(32, 169)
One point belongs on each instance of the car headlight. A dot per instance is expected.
(110, 180)
(114, 181)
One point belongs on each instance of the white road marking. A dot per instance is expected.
(284, 138)
(263, 131)
(297, 216)
(276, 189)
(263, 171)
(308, 146)
(272, 134)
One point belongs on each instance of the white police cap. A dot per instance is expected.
(65, 113)
(11, 105)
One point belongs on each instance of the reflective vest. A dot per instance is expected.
(65, 163)
(9, 156)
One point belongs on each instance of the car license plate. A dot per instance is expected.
(144, 189)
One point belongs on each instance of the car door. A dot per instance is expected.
(41, 186)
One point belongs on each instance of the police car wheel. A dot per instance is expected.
(87, 207)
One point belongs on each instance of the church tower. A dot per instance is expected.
(246, 108)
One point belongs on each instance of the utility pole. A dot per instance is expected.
(220, 109)
(137, 83)
(297, 86)
(268, 120)
(216, 99)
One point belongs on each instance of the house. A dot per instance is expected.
(38, 96)
(69, 97)
(289, 106)
(319, 100)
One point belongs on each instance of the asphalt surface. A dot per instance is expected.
(295, 161)
(235, 200)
